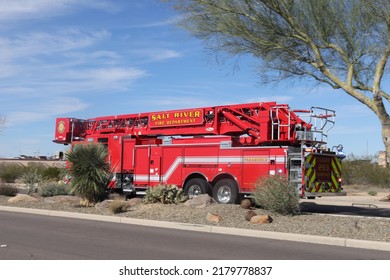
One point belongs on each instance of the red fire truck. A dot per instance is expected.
(220, 150)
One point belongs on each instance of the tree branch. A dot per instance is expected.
(380, 69)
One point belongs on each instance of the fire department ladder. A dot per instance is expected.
(279, 115)
(322, 120)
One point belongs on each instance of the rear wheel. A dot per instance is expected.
(196, 187)
(225, 191)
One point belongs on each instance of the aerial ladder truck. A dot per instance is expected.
(220, 150)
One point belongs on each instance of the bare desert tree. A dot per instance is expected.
(344, 44)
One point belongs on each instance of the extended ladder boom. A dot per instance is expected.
(253, 123)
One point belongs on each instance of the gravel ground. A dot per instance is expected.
(375, 229)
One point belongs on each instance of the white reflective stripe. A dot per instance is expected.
(172, 168)
(141, 177)
(280, 159)
(212, 159)
(200, 160)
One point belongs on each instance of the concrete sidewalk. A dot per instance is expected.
(345, 242)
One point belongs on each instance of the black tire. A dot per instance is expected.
(196, 186)
(225, 191)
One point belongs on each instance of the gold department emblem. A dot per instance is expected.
(61, 127)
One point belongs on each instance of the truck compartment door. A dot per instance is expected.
(155, 170)
(142, 166)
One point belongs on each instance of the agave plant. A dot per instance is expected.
(89, 171)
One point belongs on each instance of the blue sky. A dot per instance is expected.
(88, 58)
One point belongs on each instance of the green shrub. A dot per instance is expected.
(372, 193)
(117, 206)
(165, 194)
(53, 189)
(32, 179)
(9, 172)
(53, 173)
(276, 194)
(36, 167)
(363, 171)
(8, 190)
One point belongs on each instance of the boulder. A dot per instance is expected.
(22, 198)
(103, 205)
(200, 201)
(134, 201)
(214, 218)
(250, 214)
(261, 219)
(246, 203)
(63, 199)
(385, 199)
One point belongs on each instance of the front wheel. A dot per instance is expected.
(225, 191)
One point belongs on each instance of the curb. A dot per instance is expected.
(324, 240)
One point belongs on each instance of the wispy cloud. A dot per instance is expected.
(48, 109)
(156, 54)
(11, 9)
(60, 63)
(42, 68)
(162, 23)
(103, 79)
(29, 9)
(42, 43)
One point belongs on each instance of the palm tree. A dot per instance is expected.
(89, 171)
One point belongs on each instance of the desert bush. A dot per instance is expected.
(117, 206)
(53, 173)
(35, 167)
(165, 194)
(53, 189)
(8, 190)
(9, 172)
(372, 193)
(276, 194)
(32, 179)
(363, 171)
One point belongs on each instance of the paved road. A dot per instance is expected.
(26, 236)
(356, 210)
(360, 205)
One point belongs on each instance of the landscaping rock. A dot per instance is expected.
(22, 198)
(261, 219)
(246, 203)
(134, 201)
(385, 199)
(103, 205)
(250, 214)
(214, 218)
(200, 201)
